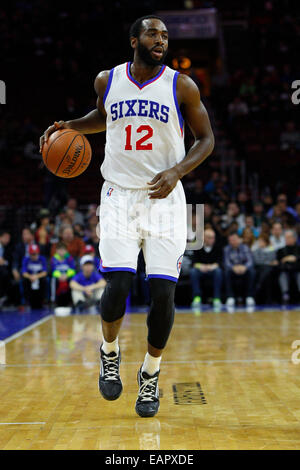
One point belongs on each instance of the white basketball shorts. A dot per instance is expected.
(130, 221)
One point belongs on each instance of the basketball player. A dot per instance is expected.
(141, 105)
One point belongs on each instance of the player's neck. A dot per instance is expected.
(142, 72)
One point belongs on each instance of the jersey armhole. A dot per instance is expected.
(110, 77)
(180, 118)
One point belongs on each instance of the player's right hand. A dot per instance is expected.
(50, 130)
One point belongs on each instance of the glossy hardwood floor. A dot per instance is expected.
(243, 363)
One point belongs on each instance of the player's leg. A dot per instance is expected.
(112, 308)
(159, 321)
(163, 252)
(113, 305)
(119, 248)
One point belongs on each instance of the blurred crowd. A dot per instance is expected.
(251, 241)
(55, 262)
(251, 254)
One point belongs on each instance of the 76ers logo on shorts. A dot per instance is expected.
(179, 263)
(109, 191)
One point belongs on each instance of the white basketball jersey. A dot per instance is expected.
(144, 127)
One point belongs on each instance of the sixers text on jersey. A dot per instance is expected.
(141, 108)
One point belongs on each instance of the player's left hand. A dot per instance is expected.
(163, 183)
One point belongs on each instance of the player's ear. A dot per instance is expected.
(133, 42)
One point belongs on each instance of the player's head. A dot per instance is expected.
(149, 39)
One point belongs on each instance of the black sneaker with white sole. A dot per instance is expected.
(147, 403)
(110, 385)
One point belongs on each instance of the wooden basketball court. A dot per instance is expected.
(227, 382)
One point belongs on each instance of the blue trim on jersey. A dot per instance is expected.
(162, 276)
(148, 81)
(108, 85)
(180, 118)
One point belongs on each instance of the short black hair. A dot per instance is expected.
(135, 28)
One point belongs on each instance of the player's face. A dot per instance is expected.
(152, 44)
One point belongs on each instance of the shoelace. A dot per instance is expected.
(147, 389)
(111, 367)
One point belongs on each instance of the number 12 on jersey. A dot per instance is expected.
(140, 143)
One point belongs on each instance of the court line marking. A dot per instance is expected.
(206, 361)
(34, 422)
(222, 327)
(28, 328)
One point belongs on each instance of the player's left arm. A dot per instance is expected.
(188, 96)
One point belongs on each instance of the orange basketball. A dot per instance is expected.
(67, 153)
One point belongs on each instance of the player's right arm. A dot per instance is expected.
(91, 123)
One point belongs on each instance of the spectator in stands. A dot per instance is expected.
(237, 108)
(264, 256)
(92, 224)
(248, 237)
(62, 270)
(60, 220)
(258, 215)
(207, 266)
(289, 265)
(75, 245)
(87, 286)
(290, 137)
(267, 202)
(5, 265)
(277, 238)
(92, 210)
(70, 216)
(249, 223)
(238, 264)
(277, 215)
(34, 271)
(282, 206)
(79, 231)
(21, 250)
(244, 202)
(90, 250)
(42, 235)
(93, 240)
(210, 186)
(78, 216)
(233, 215)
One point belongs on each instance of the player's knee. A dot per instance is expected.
(113, 300)
(162, 292)
(161, 315)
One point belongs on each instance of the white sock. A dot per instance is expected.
(109, 347)
(151, 364)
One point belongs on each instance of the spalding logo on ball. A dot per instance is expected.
(67, 153)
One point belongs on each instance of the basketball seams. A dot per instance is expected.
(66, 153)
(83, 155)
(59, 135)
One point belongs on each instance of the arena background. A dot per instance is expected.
(244, 56)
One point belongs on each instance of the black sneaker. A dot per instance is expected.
(110, 385)
(147, 403)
